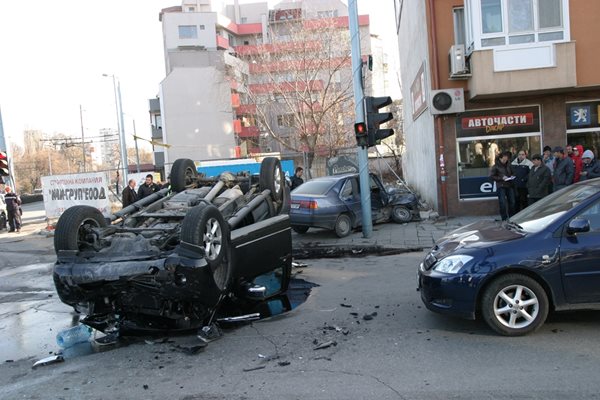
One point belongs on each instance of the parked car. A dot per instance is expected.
(333, 202)
(511, 274)
(174, 259)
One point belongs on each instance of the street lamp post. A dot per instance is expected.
(120, 125)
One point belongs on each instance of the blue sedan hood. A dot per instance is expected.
(476, 235)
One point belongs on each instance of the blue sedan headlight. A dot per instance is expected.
(452, 264)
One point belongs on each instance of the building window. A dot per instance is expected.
(244, 20)
(191, 9)
(459, 25)
(511, 22)
(327, 14)
(285, 120)
(188, 32)
(246, 42)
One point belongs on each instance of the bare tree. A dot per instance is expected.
(301, 84)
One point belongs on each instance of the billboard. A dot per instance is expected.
(64, 191)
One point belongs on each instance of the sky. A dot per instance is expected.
(53, 55)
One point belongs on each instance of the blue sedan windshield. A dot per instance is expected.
(544, 212)
(317, 187)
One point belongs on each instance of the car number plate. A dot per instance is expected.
(295, 206)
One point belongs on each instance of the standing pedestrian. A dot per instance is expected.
(13, 209)
(297, 178)
(147, 188)
(521, 167)
(577, 163)
(129, 195)
(563, 169)
(548, 160)
(502, 174)
(591, 166)
(539, 180)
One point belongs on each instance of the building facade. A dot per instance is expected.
(230, 68)
(485, 76)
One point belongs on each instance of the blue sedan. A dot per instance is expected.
(333, 202)
(545, 258)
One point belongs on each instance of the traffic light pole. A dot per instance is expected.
(363, 161)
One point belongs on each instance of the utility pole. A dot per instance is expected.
(359, 111)
(137, 152)
(82, 136)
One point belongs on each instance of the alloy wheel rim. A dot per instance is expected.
(212, 239)
(277, 180)
(401, 213)
(516, 306)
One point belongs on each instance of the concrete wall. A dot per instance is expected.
(419, 161)
(197, 114)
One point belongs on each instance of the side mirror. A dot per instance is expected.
(578, 225)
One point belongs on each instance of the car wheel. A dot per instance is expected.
(343, 226)
(514, 305)
(271, 177)
(74, 229)
(204, 226)
(300, 229)
(3, 221)
(401, 214)
(286, 203)
(183, 174)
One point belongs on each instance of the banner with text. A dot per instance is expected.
(64, 191)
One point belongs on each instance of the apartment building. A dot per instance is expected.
(485, 76)
(229, 69)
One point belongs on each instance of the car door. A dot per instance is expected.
(350, 196)
(580, 260)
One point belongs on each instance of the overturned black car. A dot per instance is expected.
(175, 260)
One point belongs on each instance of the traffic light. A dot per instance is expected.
(3, 164)
(360, 130)
(376, 118)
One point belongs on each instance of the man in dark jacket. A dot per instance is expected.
(564, 170)
(129, 195)
(521, 167)
(13, 209)
(502, 174)
(539, 179)
(148, 187)
(591, 166)
(297, 178)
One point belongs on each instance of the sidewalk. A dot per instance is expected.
(417, 235)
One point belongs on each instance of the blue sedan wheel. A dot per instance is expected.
(343, 225)
(514, 305)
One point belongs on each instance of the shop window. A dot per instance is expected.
(285, 120)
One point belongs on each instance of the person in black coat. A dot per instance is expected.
(129, 195)
(148, 187)
(13, 209)
(521, 167)
(297, 178)
(502, 174)
(591, 166)
(539, 180)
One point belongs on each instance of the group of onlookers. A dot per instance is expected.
(522, 182)
(130, 196)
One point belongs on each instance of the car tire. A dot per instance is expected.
(271, 177)
(300, 229)
(343, 225)
(3, 221)
(73, 227)
(514, 305)
(204, 226)
(401, 214)
(183, 174)
(286, 203)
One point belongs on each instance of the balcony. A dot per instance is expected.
(222, 43)
(235, 100)
(249, 131)
(284, 47)
(533, 69)
(286, 87)
(246, 109)
(156, 133)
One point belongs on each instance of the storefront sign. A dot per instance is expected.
(502, 121)
(64, 191)
(477, 187)
(417, 93)
(583, 115)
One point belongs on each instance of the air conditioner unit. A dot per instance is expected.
(457, 62)
(447, 101)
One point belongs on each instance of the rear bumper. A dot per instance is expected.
(312, 220)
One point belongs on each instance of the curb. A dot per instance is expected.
(325, 251)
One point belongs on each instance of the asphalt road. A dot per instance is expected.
(403, 352)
